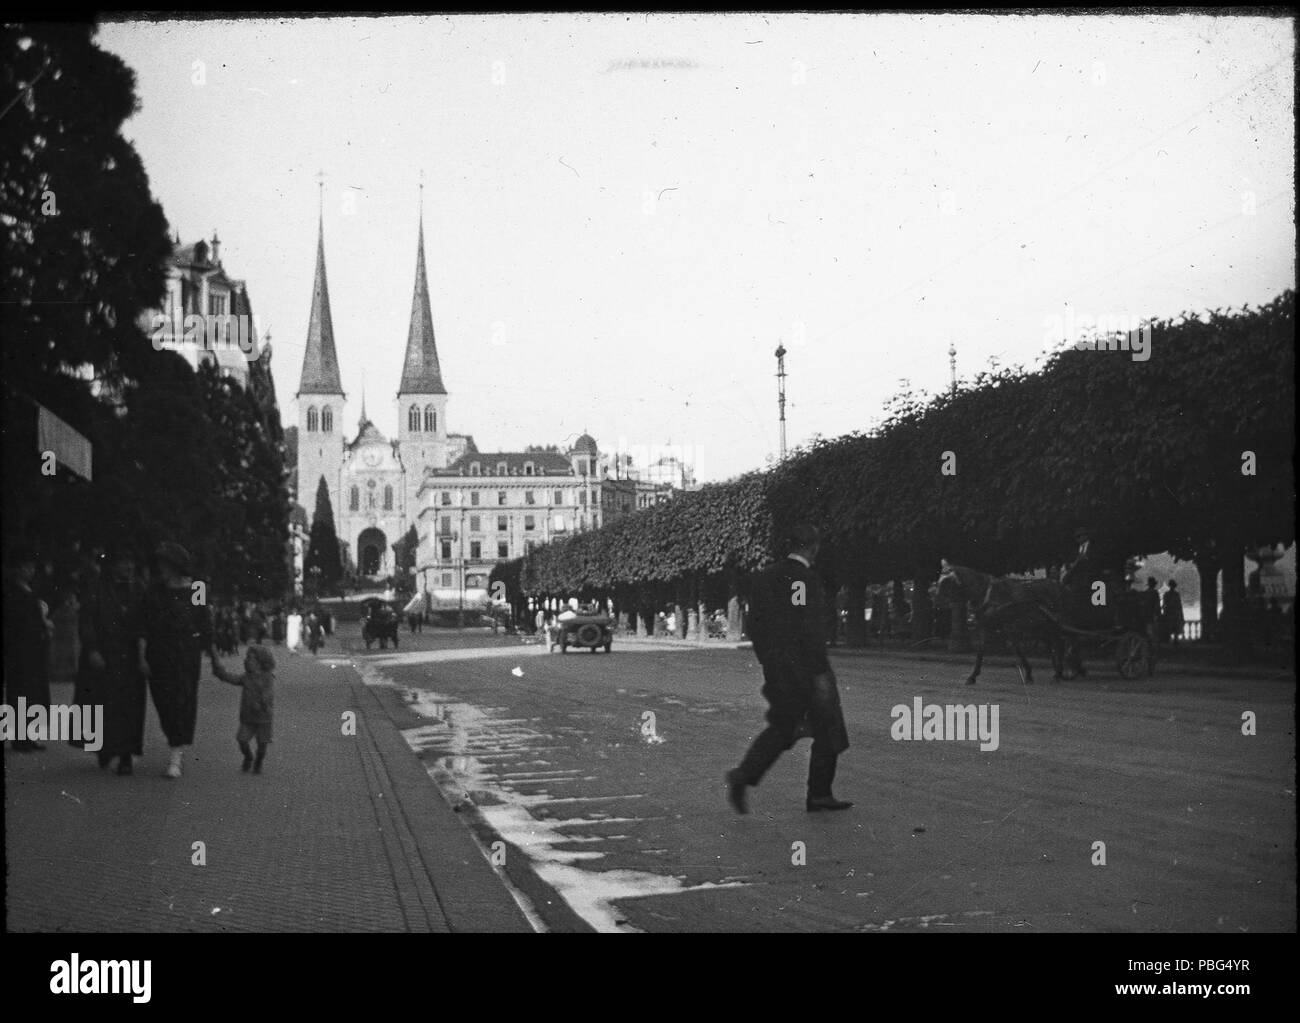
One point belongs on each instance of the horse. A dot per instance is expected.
(1014, 608)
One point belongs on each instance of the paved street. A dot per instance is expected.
(631, 826)
(341, 832)
(600, 777)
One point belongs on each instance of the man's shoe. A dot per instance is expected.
(736, 793)
(248, 762)
(827, 803)
(124, 766)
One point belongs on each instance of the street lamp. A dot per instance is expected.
(460, 539)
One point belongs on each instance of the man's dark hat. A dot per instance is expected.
(1081, 532)
(171, 553)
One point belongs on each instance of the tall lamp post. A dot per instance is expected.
(460, 540)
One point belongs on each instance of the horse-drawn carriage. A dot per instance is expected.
(1069, 619)
(380, 623)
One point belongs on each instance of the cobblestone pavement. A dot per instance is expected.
(342, 832)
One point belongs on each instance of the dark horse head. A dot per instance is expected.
(958, 583)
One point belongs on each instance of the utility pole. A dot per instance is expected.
(780, 390)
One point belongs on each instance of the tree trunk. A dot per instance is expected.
(855, 628)
(1233, 627)
(922, 611)
(1208, 571)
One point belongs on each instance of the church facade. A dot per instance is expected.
(380, 487)
(373, 481)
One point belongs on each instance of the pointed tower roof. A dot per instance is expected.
(320, 362)
(421, 373)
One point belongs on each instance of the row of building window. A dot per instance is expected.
(503, 469)
(430, 419)
(476, 550)
(530, 497)
(322, 420)
(503, 524)
(530, 469)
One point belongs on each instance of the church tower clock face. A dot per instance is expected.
(372, 457)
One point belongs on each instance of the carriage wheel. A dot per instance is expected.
(1133, 655)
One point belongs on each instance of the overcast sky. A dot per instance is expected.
(624, 215)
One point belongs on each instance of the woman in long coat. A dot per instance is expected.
(109, 670)
(174, 635)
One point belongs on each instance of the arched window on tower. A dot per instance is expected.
(413, 419)
(327, 420)
(354, 499)
(388, 498)
(430, 419)
(311, 419)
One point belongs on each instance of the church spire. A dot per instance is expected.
(421, 373)
(320, 362)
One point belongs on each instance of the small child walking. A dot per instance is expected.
(256, 703)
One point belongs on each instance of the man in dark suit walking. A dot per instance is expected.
(788, 627)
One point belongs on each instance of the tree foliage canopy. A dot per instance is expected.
(1149, 454)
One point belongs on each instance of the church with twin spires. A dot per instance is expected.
(373, 482)
(379, 488)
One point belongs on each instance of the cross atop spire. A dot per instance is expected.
(320, 184)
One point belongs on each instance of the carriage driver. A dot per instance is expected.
(1086, 565)
(1092, 563)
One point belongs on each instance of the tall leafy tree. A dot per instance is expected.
(82, 245)
(249, 543)
(405, 550)
(83, 241)
(323, 545)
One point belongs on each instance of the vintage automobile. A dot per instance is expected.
(589, 630)
(380, 623)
